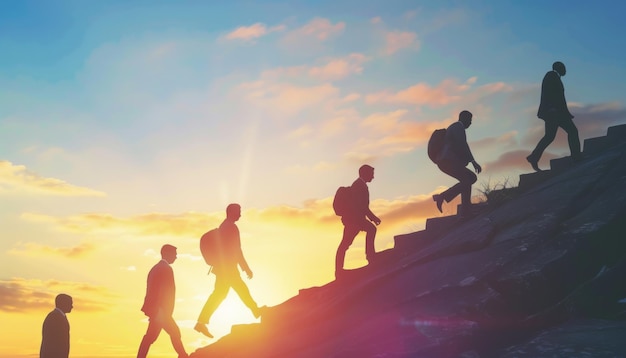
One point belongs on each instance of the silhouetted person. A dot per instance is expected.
(226, 272)
(159, 304)
(553, 110)
(55, 333)
(358, 219)
(453, 161)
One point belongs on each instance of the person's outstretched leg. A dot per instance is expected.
(466, 179)
(152, 333)
(370, 236)
(170, 326)
(243, 292)
(215, 299)
(349, 233)
(551, 127)
(572, 137)
(464, 187)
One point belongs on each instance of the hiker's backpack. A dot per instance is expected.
(342, 203)
(210, 247)
(435, 144)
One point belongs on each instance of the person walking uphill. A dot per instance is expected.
(553, 110)
(226, 271)
(453, 160)
(159, 304)
(356, 220)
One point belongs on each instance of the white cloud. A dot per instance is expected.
(18, 179)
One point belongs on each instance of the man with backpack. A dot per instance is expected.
(355, 219)
(453, 159)
(226, 271)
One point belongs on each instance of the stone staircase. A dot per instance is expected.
(437, 227)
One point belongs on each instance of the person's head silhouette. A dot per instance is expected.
(366, 173)
(465, 117)
(233, 212)
(168, 253)
(559, 67)
(64, 302)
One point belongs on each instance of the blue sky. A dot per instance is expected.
(126, 125)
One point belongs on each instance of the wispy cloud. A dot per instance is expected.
(287, 98)
(18, 179)
(318, 28)
(507, 139)
(389, 133)
(514, 160)
(22, 295)
(445, 92)
(254, 31)
(153, 224)
(312, 36)
(332, 69)
(398, 40)
(34, 249)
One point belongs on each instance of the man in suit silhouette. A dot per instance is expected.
(553, 110)
(55, 333)
(227, 273)
(453, 161)
(159, 304)
(356, 220)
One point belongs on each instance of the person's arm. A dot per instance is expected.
(459, 143)
(368, 212)
(370, 215)
(238, 252)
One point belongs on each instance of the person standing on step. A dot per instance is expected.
(453, 161)
(358, 218)
(553, 110)
(227, 273)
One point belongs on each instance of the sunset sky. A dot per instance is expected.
(125, 125)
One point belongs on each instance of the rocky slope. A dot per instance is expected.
(540, 271)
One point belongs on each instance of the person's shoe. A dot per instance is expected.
(259, 311)
(438, 198)
(371, 259)
(534, 163)
(202, 329)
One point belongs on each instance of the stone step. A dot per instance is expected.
(476, 207)
(529, 180)
(412, 242)
(561, 164)
(617, 133)
(596, 145)
(436, 226)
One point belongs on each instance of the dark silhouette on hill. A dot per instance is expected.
(453, 160)
(553, 110)
(159, 304)
(226, 272)
(358, 218)
(55, 333)
(538, 273)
